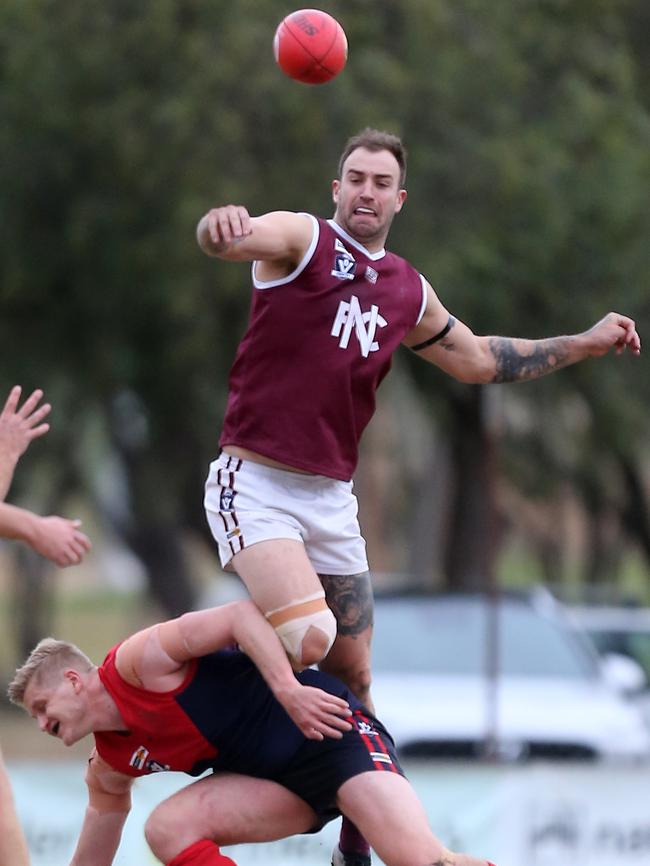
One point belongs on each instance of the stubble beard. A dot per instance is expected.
(364, 234)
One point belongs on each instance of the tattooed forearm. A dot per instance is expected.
(349, 598)
(541, 357)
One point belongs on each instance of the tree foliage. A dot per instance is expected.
(528, 131)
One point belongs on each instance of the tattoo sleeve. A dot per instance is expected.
(513, 365)
(349, 597)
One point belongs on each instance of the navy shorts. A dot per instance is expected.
(320, 767)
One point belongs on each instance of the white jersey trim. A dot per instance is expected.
(269, 284)
(373, 256)
(424, 299)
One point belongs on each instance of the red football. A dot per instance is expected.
(310, 46)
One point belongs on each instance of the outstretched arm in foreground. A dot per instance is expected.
(56, 538)
(156, 658)
(13, 847)
(109, 803)
(451, 345)
(17, 429)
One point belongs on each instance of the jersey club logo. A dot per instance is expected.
(344, 263)
(140, 760)
(349, 317)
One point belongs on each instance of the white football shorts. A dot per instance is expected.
(248, 502)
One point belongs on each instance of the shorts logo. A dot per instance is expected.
(367, 729)
(226, 500)
(349, 317)
(344, 263)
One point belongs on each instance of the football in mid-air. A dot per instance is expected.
(310, 46)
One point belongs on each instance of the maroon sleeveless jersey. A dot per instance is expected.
(319, 342)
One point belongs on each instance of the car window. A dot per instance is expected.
(450, 636)
(635, 644)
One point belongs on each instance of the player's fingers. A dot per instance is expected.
(246, 227)
(331, 732)
(77, 551)
(12, 400)
(83, 542)
(80, 537)
(633, 340)
(334, 720)
(36, 432)
(62, 560)
(237, 217)
(37, 415)
(219, 226)
(335, 702)
(30, 403)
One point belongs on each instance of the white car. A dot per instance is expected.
(460, 676)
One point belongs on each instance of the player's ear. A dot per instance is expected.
(401, 198)
(336, 186)
(74, 678)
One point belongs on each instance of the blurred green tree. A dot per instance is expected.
(527, 126)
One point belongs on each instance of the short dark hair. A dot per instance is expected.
(377, 139)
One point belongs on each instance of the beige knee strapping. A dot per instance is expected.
(292, 622)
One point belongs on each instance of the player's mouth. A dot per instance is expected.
(364, 211)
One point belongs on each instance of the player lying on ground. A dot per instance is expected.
(289, 751)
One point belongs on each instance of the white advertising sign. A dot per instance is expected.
(544, 815)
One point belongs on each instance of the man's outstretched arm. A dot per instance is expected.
(451, 345)
(18, 426)
(156, 657)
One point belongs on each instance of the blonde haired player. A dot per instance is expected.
(288, 752)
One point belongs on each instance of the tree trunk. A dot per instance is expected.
(472, 544)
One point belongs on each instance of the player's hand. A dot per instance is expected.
(614, 331)
(19, 426)
(227, 224)
(317, 713)
(60, 540)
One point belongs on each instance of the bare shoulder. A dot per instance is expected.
(101, 775)
(434, 318)
(144, 660)
(282, 234)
